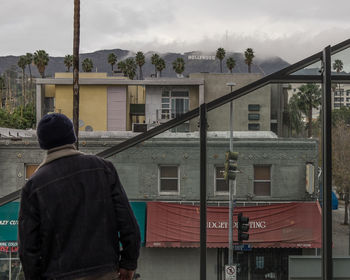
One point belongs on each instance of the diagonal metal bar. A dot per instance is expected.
(275, 77)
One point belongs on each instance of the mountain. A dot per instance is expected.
(194, 62)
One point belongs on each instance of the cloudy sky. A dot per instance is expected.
(289, 29)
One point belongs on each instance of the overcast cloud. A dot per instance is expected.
(289, 29)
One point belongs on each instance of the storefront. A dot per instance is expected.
(276, 231)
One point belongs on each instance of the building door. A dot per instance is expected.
(116, 108)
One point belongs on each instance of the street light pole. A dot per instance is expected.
(232, 189)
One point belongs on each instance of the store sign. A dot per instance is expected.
(8, 222)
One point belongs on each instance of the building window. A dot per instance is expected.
(253, 117)
(262, 180)
(169, 179)
(221, 186)
(174, 104)
(254, 107)
(259, 262)
(253, 126)
(30, 170)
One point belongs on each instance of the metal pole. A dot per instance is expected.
(230, 218)
(327, 264)
(203, 191)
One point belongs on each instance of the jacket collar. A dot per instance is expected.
(60, 152)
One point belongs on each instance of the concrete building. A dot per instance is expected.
(118, 104)
(166, 169)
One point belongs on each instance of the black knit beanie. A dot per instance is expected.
(55, 130)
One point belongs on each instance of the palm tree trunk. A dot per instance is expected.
(23, 93)
(309, 129)
(76, 41)
(249, 68)
(141, 76)
(220, 66)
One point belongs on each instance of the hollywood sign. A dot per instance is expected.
(201, 57)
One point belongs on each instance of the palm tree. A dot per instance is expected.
(140, 61)
(41, 59)
(22, 63)
(68, 61)
(230, 63)
(76, 43)
(179, 65)
(2, 86)
(122, 67)
(130, 68)
(29, 59)
(154, 60)
(338, 65)
(249, 55)
(308, 97)
(87, 65)
(112, 59)
(160, 66)
(220, 54)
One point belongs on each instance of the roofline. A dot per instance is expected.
(111, 81)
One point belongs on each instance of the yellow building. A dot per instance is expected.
(115, 103)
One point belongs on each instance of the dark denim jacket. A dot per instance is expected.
(74, 212)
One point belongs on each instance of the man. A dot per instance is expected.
(74, 212)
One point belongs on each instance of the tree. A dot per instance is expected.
(22, 63)
(41, 59)
(220, 54)
(29, 59)
(154, 60)
(160, 66)
(87, 65)
(295, 118)
(230, 63)
(341, 115)
(308, 97)
(122, 67)
(249, 55)
(68, 61)
(338, 65)
(340, 161)
(140, 61)
(130, 65)
(179, 65)
(112, 59)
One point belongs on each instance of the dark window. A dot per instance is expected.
(254, 107)
(253, 126)
(168, 179)
(221, 185)
(262, 180)
(253, 117)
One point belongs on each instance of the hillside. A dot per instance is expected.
(99, 58)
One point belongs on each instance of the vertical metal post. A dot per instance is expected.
(203, 191)
(231, 194)
(327, 263)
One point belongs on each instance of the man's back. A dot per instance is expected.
(80, 207)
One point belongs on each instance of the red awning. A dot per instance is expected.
(285, 225)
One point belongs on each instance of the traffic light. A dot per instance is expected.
(243, 227)
(230, 165)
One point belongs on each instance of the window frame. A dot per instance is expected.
(216, 192)
(262, 181)
(160, 192)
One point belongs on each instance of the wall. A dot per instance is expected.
(215, 86)
(92, 104)
(286, 156)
